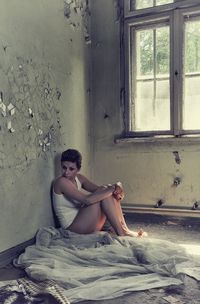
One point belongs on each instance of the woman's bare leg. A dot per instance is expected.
(88, 220)
(120, 212)
(139, 233)
(109, 208)
(92, 218)
(123, 222)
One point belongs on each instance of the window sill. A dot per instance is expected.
(166, 139)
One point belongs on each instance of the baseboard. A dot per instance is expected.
(8, 255)
(128, 208)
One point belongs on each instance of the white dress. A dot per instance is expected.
(65, 209)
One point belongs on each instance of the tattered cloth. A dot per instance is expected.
(27, 291)
(100, 266)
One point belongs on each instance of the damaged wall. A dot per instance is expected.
(152, 173)
(44, 106)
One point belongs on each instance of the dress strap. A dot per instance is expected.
(78, 183)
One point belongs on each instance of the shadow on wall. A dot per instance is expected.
(57, 165)
(56, 173)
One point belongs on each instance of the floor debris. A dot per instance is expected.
(172, 300)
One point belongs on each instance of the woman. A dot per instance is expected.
(86, 212)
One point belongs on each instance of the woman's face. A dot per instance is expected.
(69, 169)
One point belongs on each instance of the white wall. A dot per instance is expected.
(44, 74)
(147, 170)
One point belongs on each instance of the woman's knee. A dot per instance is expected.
(109, 201)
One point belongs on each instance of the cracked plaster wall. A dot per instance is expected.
(149, 171)
(44, 106)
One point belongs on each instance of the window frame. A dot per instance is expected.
(160, 8)
(173, 13)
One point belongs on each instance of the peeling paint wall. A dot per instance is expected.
(44, 106)
(152, 173)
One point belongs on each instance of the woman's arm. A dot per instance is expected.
(87, 184)
(68, 189)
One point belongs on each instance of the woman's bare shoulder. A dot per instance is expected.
(81, 178)
(57, 180)
(58, 184)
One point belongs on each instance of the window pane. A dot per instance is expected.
(151, 104)
(162, 2)
(162, 51)
(142, 4)
(191, 98)
(144, 45)
(152, 112)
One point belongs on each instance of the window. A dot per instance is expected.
(162, 67)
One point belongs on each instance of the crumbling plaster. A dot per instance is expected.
(44, 106)
(149, 171)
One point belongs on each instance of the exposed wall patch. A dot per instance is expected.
(196, 205)
(29, 110)
(159, 203)
(77, 13)
(1, 96)
(58, 94)
(177, 157)
(10, 128)
(3, 107)
(177, 181)
(67, 9)
(11, 109)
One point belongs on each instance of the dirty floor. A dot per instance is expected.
(175, 229)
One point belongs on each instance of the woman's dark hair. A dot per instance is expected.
(73, 156)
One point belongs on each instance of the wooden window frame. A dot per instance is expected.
(174, 14)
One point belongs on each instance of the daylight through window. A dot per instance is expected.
(162, 67)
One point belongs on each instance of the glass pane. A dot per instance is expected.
(162, 2)
(191, 98)
(162, 51)
(192, 47)
(144, 45)
(142, 4)
(191, 109)
(151, 107)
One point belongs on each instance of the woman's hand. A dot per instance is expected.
(118, 193)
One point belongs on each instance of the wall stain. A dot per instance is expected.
(5, 48)
(106, 116)
(159, 203)
(177, 157)
(195, 205)
(177, 181)
(67, 9)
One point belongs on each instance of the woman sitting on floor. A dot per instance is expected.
(85, 213)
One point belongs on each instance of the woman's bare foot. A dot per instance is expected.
(140, 233)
